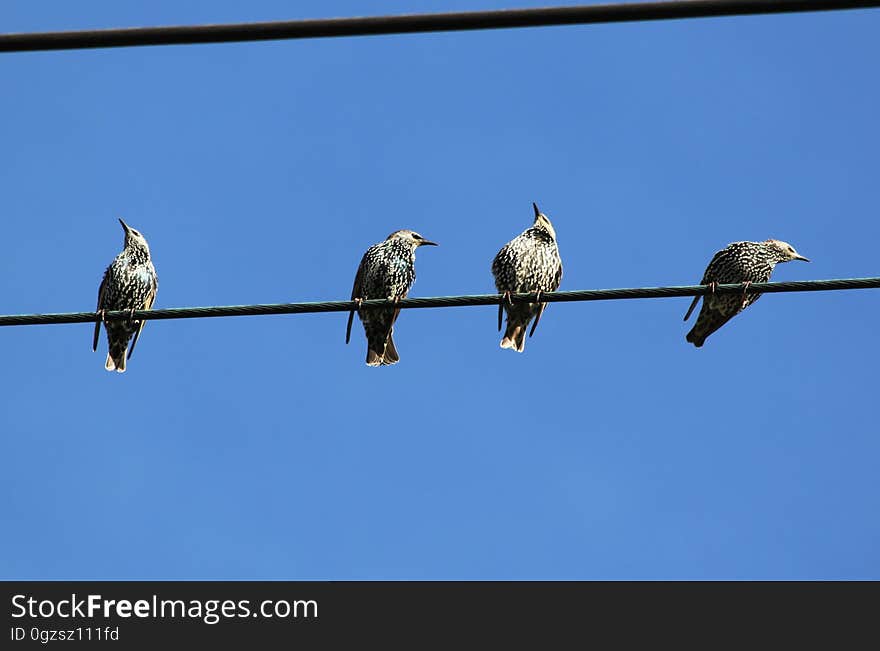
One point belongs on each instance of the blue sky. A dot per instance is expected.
(264, 448)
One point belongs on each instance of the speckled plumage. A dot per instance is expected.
(387, 271)
(130, 283)
(738, 262)
(530, 262)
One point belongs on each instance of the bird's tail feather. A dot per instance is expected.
(514, 337)
(708, 322)
(115, 363)
(382, 354)
(391, 356)
(116, 356)
(695, 338)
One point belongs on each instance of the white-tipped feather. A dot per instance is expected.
(515, 339)
(110, 365)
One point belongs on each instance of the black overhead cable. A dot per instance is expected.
(441, 301)
(413, 23)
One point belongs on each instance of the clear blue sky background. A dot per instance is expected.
(264, 448)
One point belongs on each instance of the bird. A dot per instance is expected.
(387, 271)
(129, 283)
(529, 263)
(738, 262)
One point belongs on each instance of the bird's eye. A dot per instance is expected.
(416, 236)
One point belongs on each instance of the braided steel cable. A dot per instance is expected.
(441, 301)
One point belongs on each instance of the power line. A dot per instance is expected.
(414, 23)
(441, 301)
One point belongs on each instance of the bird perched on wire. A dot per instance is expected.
(530, 262)
(739, 262)
(130, 283)
(387, 270)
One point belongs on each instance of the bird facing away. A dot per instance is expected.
(387, 271)
(530, 262)
(739, 262)
(130, 283)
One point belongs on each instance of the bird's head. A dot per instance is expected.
(542, 222)
(412, 238)
(784, 251)
(133, 238)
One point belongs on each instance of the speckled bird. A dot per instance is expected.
(739, 262)
(130, 283)
(387, 270)
(530, 262)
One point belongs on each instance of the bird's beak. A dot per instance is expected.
(537, 212)
(427, 243)
(124, 225)
(800, 257)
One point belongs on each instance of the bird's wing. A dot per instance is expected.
(708, 277)
(497, 262)
(557, 280)
(693, 305)
(541, 307)
(98, 309)
(148, 304)
(356, 292)
(396, 314)
(712, 267)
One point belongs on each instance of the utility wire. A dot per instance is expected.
(414, 23)
(441, 301)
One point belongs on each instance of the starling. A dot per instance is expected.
(739, 262)
(387, 271)
(530, 262)
(129, 283)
